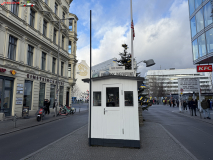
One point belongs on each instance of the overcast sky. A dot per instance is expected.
(162, 31)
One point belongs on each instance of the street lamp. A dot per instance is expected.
(57, 95)
(149, 62)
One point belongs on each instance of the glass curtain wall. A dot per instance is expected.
(207, 13)
(209, 40)
(191, 7)
(195, 49)
(197, 3)
(193, 27)
(199, 20)
(28, 85)
(52, 95)
(202, 45)
(41, 94)
(61, 95)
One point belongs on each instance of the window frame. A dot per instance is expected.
(62, 44)
(12, 47)
(125, 92)
(94, 100)
(53, 65)
(56, 8)
(32, 17)
(43, 61)
(45, 28)
(54, 35)
(30, 55)
(69, 46)
(62, 68)
(15, 8)
(69, 70)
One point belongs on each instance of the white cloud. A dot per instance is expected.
(166, 39)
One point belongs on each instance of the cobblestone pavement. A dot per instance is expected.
(156, 144)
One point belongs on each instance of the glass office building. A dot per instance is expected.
(200, 14)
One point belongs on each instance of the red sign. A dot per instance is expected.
(204, 68)
(2, 70)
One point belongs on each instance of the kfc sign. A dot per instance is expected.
(204, 68)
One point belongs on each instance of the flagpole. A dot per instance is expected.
(132, 54)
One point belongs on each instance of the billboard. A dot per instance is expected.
(188, 85)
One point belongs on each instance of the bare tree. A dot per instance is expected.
(76, 91)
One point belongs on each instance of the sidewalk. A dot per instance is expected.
(198, 117)
(7, 126)
(156, 144)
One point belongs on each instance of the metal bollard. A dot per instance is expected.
(14, 119)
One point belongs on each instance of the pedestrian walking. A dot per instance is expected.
(193, 107)
(177, 103)
(47, 106)
(173, 101)
(170, 103)
(205, 106)
(184, 105)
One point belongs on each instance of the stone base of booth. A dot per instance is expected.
(115, 143)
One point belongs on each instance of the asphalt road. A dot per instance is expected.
(195, 135)
(22, 143)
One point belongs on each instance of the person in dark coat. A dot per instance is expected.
(196, 103)
(173, 101)
(47, 106)
(184, 105)
(189, 104)
(170, 103)
(177, 103)
(193, 106)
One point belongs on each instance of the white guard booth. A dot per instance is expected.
(114, 111)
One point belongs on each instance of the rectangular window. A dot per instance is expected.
(63, 42)
(209, 40)
(45, 28)
(15, 8)
(128, 98)
(28, 85)
(112, 97)
(61, 91)
(12, 48)
(56, 8)
(70, 25)
(63, 16)
(202, 45)
(207, 9)
(191, 7)
(52, 95)
(41, 94)
(199, 20)
(54, 35)
(96, 98)
(70, 47)
(197, 3)
(43, 61)
(62, 68)
(30, 55)
(32, 17)
(53, 65)
(193, 27)
(195, 49)
(69, 71)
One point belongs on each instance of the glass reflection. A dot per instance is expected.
(199, 20)
(191, 7)
(202, 45)
(209, 40)
(112, 97)
(207, 13)
(195, 49)
(52, 95)
(41, 94)
(193, 27)
(28, 93)
(197, 3)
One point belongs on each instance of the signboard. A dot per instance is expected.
(204, 68)
(188, 85)
(19, 102)
(19, 89)
(20, 85)
(19, 92)
(19, 99)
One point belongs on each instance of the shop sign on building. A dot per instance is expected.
(43, 79)
(188, 84)
(204, 68)
(19, 92)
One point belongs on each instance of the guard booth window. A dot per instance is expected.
(96, 98)
(128, 96)
(112, 97)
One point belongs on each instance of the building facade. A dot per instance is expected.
(169, 79)
(29, 55)
(200, 15)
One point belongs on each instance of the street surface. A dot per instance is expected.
(22, 143)
(194, 135)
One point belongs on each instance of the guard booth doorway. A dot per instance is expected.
(113, 111)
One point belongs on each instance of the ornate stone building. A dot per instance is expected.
(28, 55)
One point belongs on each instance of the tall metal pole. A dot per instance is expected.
(57, 86)
(90, 83)
(132, 36)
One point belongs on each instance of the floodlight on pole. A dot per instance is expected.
(149, 62)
